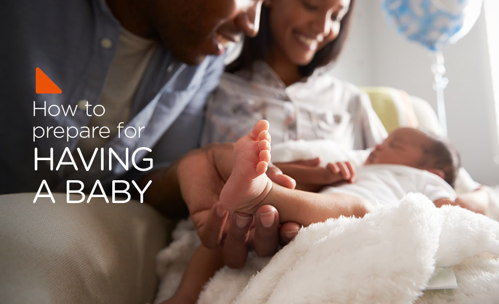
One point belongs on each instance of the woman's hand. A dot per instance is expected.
(310, 176)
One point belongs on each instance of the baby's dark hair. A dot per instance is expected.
(441, 155)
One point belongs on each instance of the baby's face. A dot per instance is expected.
(404, 146)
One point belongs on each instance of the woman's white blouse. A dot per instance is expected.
(319, 107)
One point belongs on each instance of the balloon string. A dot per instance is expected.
(439, 85)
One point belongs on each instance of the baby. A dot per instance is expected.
(409, 160)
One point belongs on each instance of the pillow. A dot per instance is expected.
(78, 253)
(394, 107)
(426, 116)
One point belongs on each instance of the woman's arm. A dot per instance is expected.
(475, 201)
(309, 176)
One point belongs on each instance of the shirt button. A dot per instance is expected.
(82, 104)
(171, 67)
(106, 43)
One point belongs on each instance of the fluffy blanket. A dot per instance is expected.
(389, 256)
(386, 257)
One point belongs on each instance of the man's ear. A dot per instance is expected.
(437, 172)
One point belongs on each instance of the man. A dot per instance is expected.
(150, 65)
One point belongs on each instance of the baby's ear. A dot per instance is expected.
(437, 172)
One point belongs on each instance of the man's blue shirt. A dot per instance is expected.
(69, 41)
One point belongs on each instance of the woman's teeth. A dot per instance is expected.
(310, 42)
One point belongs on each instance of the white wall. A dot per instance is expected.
(377, 55)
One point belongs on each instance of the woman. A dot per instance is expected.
(283, 75)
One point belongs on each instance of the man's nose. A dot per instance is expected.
(249, 21)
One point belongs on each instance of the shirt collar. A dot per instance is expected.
(262, 73)
(103, 6)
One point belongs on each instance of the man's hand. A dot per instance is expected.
(201, 179)
(202, 174)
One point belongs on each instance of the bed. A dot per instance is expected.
(409, 253)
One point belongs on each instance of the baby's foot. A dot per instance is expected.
(248, 184)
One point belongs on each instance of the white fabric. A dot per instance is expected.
(464, 182)
(386, 257)
(388, 184)
(326, 150)
(493, 194)
(319, 107)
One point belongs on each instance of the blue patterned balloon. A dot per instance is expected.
(433, 23)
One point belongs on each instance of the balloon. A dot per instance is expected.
(433, 23)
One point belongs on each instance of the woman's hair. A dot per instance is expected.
(258, 47)
(441, 155)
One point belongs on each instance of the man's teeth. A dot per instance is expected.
(222, 40)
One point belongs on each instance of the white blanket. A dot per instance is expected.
(386, 257)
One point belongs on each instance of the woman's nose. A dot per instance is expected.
(323, 23)
(249, 20)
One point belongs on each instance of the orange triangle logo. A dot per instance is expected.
(45, 85)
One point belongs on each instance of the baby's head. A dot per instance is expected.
(415, 148)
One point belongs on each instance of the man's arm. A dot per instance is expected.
(189, 187)
(164, 192)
